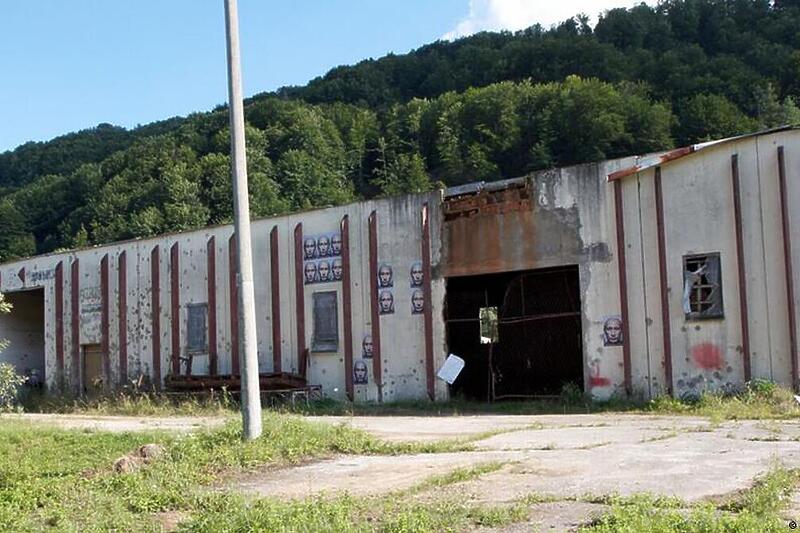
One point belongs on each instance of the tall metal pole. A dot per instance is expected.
(250, 394)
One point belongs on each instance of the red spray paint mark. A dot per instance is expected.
(595, 380)
(707, 356)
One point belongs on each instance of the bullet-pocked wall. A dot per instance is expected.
(687, 264)
(153, 307)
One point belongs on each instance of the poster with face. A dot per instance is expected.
(360, 372)
(323, 246)
(324, 271)
(310, 273)
(417, 302)
(336, 244)
(366, 346)
(309, 248)
(385, 277)
(336, 269)
(415, 276)
(386, 303)
(612, 331)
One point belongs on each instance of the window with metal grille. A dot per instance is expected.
(196, 330)
(326, 322)
(702, 286)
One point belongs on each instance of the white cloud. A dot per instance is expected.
(494, 15)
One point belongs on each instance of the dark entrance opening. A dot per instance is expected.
(539, 348)
(23, 329)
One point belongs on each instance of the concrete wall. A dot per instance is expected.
(399, 231)
(571, 221)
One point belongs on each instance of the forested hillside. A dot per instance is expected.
(487, 107)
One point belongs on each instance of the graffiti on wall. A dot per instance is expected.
(595, 379)
(707, 356)
(366, 346)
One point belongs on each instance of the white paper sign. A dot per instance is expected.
(451, 368)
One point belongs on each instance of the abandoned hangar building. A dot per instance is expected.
(670, 273)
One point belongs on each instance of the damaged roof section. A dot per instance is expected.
(653, 160)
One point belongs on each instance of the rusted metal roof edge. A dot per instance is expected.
(646, 162)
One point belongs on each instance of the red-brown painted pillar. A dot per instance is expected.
(122, 295)
(75, 324)
(737, 214)
(275, 298)
(789, 268)
(175, 307)
(427, 292)
(211, 273)
(155, 312)
(59, 305)
(377, 354)
(233, 289)
(300, 302)
(623, 284)
(666, 327)
(104, 320)
(347, 307)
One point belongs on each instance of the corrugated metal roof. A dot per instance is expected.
(650, 161)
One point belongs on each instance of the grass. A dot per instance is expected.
(754, 511)
(63, 479)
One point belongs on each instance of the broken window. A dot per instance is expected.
(702, 286)
(326, 322)
(196, 331)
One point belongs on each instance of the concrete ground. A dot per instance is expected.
(119, 424)
(557, 457)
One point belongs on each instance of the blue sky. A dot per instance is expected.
(72, 64)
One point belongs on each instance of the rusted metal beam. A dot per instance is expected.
(104, 322)
(75, 316)
(122, 301)
(623, 285)
(428, 295)
(788, 268)
(59, 305)
(299, 296)
(737, 215)
(234, 304)
(155, 312)
(666, 329)
(211, 273)
(347, 306)
(275, 298)
(175, 307)
(377, 354)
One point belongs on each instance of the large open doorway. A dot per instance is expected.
(23, 329)
(539, 348)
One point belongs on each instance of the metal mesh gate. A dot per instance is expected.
(540, 344)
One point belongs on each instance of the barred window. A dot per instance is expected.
(702, 286)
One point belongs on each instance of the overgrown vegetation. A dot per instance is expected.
(487, 107)
(755, 511)
(64, 479)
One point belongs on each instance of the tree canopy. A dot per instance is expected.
(485, 107)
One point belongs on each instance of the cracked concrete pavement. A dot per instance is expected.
(555, 456)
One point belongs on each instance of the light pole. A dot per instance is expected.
(250, 394)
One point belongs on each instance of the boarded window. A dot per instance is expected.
(702, 286)
(326, 322)
(196, 331)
